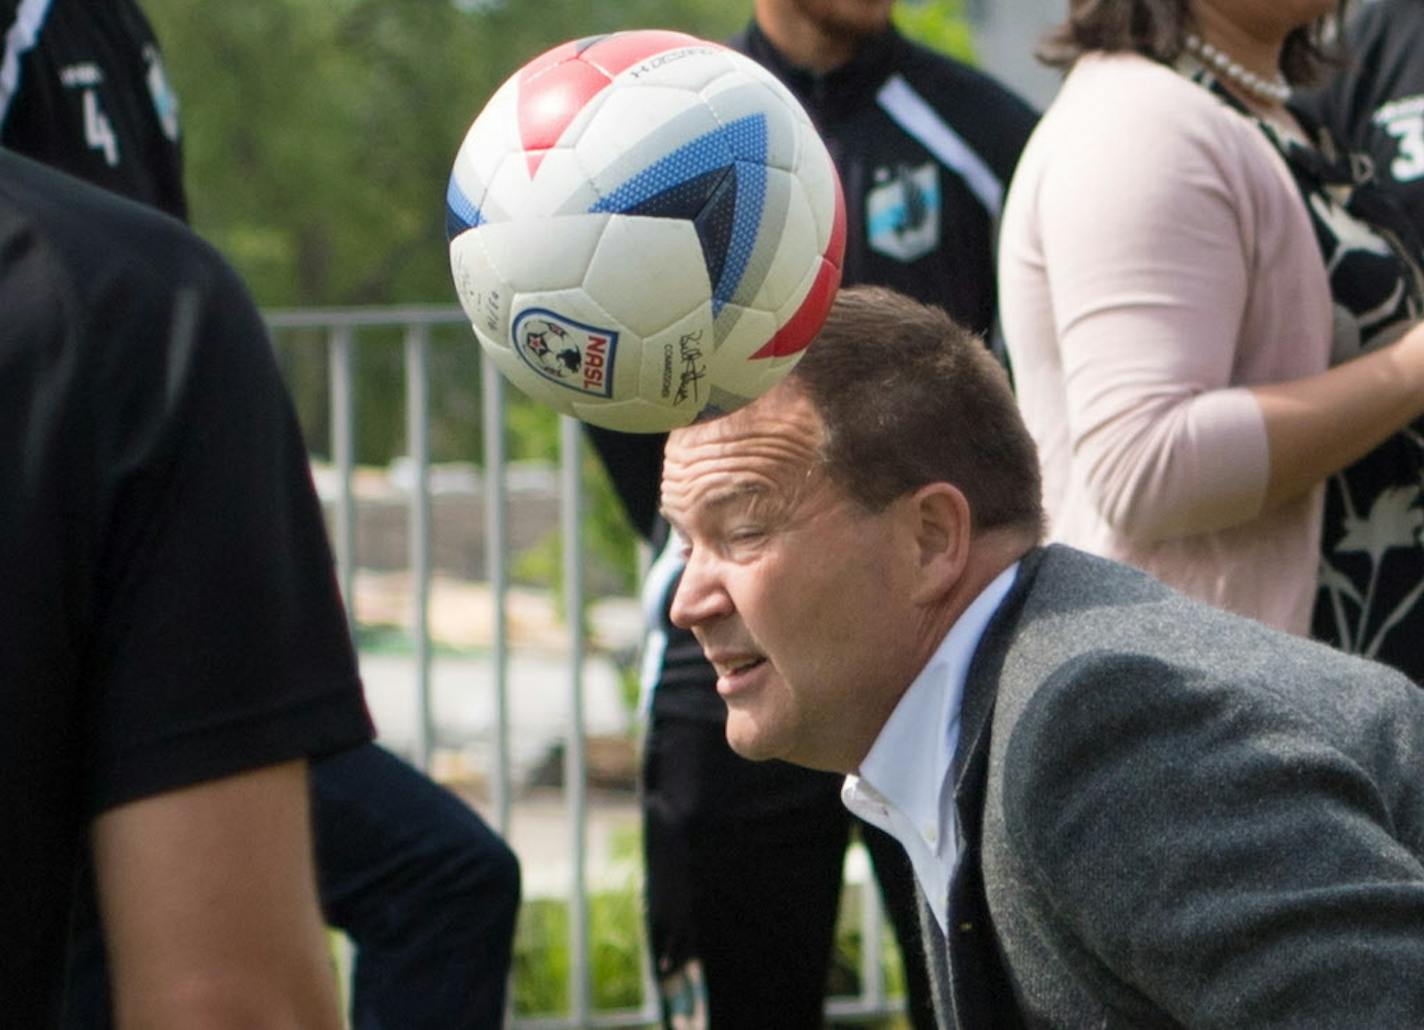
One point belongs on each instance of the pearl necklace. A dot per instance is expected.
(1248, 81)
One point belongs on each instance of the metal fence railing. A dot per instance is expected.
(340, 333)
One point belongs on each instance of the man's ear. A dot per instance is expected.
(940, 514)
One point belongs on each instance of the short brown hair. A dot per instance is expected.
(910, 398)
(1158, 29)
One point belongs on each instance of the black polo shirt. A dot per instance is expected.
(168, 608)
(83, 88)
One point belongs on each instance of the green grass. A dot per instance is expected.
(541, 956)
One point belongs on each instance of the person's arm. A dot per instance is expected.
(1149, 265)
(1321, 424)
(210, 908)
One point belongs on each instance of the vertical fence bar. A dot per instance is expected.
(343, 455)
(872, 944)
(417, 386)
(497, 568)
(575, 783)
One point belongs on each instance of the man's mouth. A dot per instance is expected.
(734, 668)
(737, 674)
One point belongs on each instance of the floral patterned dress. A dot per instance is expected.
(1371, 599)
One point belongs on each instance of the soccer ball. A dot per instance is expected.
(644, 229)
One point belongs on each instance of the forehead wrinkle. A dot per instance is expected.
(751, 455)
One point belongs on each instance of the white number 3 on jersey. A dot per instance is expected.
(98, 132)
(1409, 131)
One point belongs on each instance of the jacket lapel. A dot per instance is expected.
(980, 991)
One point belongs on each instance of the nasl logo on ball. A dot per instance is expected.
(567, 352)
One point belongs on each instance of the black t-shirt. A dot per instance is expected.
(168, 607)
(83, 88)
(1376, 104)
(924, 147)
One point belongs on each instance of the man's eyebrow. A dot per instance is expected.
(722, 497)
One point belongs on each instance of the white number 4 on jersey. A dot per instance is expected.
(98, 132)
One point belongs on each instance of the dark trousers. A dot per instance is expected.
(744, 865)
(426, 891)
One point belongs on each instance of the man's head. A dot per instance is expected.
(836, 527)
(821, 34)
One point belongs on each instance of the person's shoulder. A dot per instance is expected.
(1123, 106)
(1383, 43)
(1107, 615)
(99, 242)
(1130, 85)
(1373, 20)
(111, 277)
(987, 115)
(1075, 600)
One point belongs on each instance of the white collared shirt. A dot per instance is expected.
(903, 785)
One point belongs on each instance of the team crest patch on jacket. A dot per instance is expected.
(902, 211)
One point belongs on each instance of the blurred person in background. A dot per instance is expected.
(744, 860)
(153, 472)
(1375, 104)
(424, 888)
(1214, 324)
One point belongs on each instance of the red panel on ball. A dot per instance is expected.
(555, 86)
(801, 328)
(549, 100)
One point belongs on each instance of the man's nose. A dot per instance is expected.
(700, 596)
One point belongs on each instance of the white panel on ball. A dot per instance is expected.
(751, 327)
(628, 116)
(544, 253)
(562, 186)
(787, 277)
(483, 292)
(688, 68)
(648, 272)
(675, 362)
(499, 137)
(819, 184)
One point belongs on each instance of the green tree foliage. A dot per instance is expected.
(319, 135)
(939, 24)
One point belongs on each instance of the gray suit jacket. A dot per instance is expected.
(1170, 815)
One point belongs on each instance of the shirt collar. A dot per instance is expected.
(903, 766)
(833, 95)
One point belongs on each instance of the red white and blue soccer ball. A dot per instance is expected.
(644, 229)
